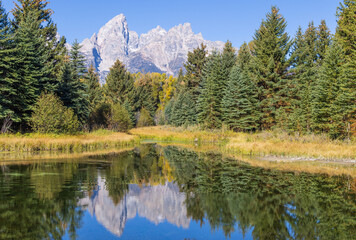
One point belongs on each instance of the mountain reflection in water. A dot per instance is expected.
(199, 195)
(156, 203)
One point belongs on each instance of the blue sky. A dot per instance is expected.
(234, 20)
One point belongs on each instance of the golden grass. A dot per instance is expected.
(47, 156)
(168, 133)
(259, 144)
(83, 142)
(313, 167)
(276, 147)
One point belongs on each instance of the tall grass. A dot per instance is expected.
(49, 142)
(57, 156)
(268, 143)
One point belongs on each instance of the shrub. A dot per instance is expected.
(119, 119)
(51, 116)
(100, 116)
(145, 119)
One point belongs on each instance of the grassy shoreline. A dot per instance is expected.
(258, 144)
(265, 144)
(65, 143)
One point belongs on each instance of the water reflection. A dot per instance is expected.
(176, 186)
(156, 203)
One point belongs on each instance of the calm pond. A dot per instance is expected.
(155, 192)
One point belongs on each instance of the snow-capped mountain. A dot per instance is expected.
(156, 51)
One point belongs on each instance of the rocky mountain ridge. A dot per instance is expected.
(156, 51)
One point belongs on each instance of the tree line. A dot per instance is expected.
(303, 84)
(46, 87)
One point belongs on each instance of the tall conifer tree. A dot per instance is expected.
(243, 59)
(239, 105)
(93, 87)
(213, 84)
(346, 35)
(270, 66)
(31, 73)
(327, 89)
(194, 66)
(8, 91)
(73, 93)
(119, 83)
(53, 50)
(77, 61)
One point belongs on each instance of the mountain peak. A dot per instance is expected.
(157, 50)
(119, 18)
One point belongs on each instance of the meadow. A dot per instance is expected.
(267, 143)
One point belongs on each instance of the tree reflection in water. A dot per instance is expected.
(48, 200)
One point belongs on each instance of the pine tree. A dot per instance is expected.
(327, 89)
(323, 41)
(345, 103)
(119, 83)
(30, 71)
(239, 105)
(213, 85)
(270, 65)
(8, 92)
(130, 111)
(307, 77)
(181, 84)
(194, 66)
(182, 110)
(308, 52)
(346, 29)
(93, 87)
(168, 110)
(72, 93)
(243, 59)
(228, 59)
(77, 60)
(53, 50)
(145, 99)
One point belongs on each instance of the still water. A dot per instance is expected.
(155, 192)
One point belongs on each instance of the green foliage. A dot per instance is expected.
(100, 116)
(119, 83)
(8, 90)
(119, 119)
(213, 85)
(346, 36)
(93, 87)
(145, 119)
(346, 29)
(239, 105)
(129, 109)
(323, 41)
(194, 66)
(72, 93)
(51, 116)
(182, 110)
(35, 15)
(30, 64)
(77, 61)
(243, 59)
(270, 66)
(327, 90)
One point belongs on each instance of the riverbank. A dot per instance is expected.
(66, 143)
(258, 144)
(265, 145)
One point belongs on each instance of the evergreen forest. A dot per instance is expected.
(302, 84)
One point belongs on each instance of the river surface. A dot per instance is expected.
(155, 192)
